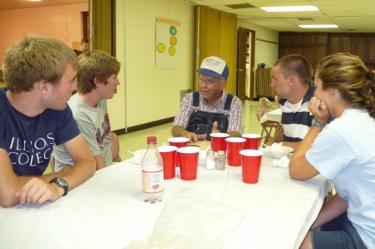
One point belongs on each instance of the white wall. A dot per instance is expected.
(265, 51)
(63, 22)
(266, 48)
(147, 94)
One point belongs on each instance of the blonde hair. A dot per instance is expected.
(95, 64)
(36, 58)
(349, 75)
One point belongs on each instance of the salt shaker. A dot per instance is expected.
(210, 159)
(221, 160)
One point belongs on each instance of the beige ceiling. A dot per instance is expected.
(358, 15)
(349, 15)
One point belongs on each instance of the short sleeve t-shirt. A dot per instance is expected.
(29, 140)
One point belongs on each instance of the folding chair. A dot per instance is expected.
(269, 128)
(276, 98)
(265, 103)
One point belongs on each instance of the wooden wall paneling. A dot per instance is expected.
(308, 53)
(228, 47)
(308, 39)
(360, 44)
(207, 31)
(296, 39)
(313, 46)
(347, 43)
(102, 25)
(296, 50)
(283, 50)
(371, 49)
(284, 39)
(321, 39)
(319, 53)
(216, 35)
(334, 44)
(317, 45)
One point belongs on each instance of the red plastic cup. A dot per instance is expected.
(252, 141)
(218, 141)
(188, 162)
(234, 146)
(179, 142)
(168, 153)
(251, 161)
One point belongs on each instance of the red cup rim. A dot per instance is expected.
(219, 135)
(235, 139)
(178, 139)
(188, 150)
(251, 135)
(167, 148)
(251, 152)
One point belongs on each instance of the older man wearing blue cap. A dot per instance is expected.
(211, 109)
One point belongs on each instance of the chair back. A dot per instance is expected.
(277, 99)
(269, 128)
(265, 103)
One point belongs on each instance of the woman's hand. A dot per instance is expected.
(319, 109)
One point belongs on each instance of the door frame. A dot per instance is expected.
(251, 50)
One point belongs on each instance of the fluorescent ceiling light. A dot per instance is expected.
(323, 26)
(289, 8)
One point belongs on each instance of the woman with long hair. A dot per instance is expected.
(342, 151)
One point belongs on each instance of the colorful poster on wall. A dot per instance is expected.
(167, 43)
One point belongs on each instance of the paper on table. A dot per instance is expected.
(192, 219)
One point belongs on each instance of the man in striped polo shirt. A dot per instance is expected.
(290, 79)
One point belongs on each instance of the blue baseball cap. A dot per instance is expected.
(215, 67)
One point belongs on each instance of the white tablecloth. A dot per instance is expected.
(274, 115)
(107, 211)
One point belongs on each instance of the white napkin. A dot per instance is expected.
(282, 162)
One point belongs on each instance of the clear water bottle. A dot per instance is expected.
(152, 173)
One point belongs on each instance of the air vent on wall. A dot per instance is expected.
(240, 6)
(305, 19)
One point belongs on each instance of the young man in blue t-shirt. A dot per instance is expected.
(40, 75)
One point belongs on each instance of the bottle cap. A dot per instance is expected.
(221, 152)
(151, 140)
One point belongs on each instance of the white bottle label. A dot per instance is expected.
(152, 181)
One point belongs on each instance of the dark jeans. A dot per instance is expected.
(338, 233)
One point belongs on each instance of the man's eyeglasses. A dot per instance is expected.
(209, 82)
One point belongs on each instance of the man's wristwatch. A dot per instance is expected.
(62, 183)
(317, 124)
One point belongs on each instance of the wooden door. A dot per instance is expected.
(241, 63)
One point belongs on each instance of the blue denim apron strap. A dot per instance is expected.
(201, 122)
